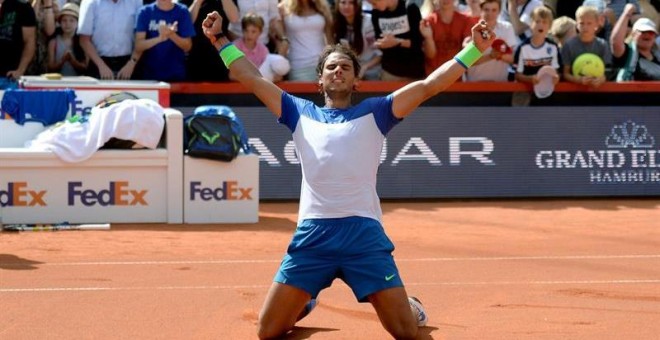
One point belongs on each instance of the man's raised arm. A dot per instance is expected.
(409, 97)
(241, 67)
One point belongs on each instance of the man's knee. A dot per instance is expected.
(265, 331)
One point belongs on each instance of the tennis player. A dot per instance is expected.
(339, 233)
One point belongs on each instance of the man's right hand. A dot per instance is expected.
(212, 25)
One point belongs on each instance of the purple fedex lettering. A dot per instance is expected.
(229, 190)
(118, 193)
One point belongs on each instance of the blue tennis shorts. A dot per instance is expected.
(353, 249)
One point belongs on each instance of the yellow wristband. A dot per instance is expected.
(468, 55)
(229, 53)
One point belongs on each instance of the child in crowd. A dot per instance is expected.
(272, 66)
(494, 64)
(354, 28)
(65, 55)
(585, 42)
(538, 50)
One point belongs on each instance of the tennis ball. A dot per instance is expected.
(588, 65)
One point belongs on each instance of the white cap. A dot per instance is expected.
(645, 25)
(279, 64)
(545, 86)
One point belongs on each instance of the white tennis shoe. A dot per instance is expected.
(418, 311)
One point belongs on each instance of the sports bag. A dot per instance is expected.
(214, 132)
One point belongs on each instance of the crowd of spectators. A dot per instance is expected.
(394, 39)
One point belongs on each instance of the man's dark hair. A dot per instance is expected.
(339, 48)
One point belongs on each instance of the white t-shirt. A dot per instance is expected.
(339, 152)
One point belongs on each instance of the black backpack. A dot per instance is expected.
(214, 132)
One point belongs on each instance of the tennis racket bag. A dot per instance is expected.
(214, 132)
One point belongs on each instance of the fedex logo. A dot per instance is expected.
(228, 190)
(118, 193)
(18, 195)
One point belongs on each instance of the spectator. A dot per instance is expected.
(202, 62)
(537, 51)
(495, 63)
(348, 16)
(639, 59)
(606, 18)
(273, 34)
(45, 12)
(585, 42)
(396, 25)
(450, 28)
(106, 29)
(308, 25)
(562, 29)
(472, 9)
(271, 66)
(17, 38)
(518, 13)
(163, 37)
(65, 55)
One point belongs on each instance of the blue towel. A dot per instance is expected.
(45, 106)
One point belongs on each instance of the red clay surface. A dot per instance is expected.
(544, 269)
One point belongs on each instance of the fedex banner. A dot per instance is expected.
(480, 152)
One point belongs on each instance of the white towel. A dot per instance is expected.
(139, 120)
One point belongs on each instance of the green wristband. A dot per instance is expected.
(468, 55)
(229, 53)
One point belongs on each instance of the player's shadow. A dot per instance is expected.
(13, 262)
(298, 333)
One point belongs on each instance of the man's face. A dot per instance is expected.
(338, 74)
(587, 26)
(644, 40)
(489, 12)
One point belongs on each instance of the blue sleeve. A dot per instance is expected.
(292, 107)
(142, 22)
(185, 26)
(383, 114)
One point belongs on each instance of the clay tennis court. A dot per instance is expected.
(515, 269)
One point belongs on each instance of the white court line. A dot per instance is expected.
(477, 283)
(430, 259)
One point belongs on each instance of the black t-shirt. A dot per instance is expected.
(204, 64)
(645, 69)
(403, 23)
(14, 15)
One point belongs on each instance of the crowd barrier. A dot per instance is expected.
(472, 142)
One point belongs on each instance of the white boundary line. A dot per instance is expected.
(476, 283)
(430, 259)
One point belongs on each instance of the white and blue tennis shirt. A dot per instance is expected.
(339, 151)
